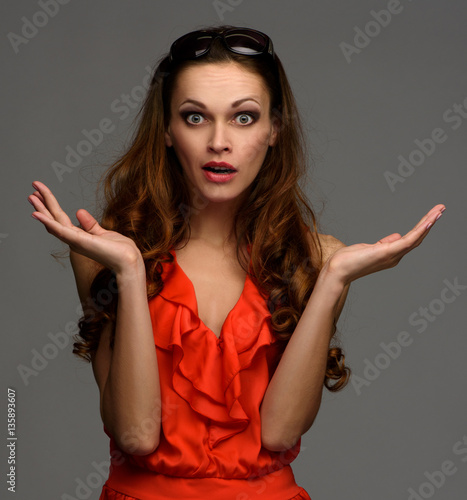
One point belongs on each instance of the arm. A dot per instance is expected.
(132, 398)
(293, 397)
(127, 376)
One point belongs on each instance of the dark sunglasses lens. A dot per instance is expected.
(190, 47)
(246, 42)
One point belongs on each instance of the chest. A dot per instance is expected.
(217, 284)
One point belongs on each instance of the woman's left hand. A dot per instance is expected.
(355, 261)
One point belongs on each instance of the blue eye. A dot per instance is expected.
(246, 118)
(195, 121)
(243, 118)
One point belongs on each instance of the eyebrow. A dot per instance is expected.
(235, 104)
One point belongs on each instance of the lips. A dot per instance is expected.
(219, 167)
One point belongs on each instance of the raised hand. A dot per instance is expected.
(355, 261)
(109, 248)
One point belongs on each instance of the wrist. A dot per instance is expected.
(331, 283)
(133, 270)
(329, 290)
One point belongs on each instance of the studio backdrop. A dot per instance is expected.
(381, 87)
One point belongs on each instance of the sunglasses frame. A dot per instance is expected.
(268, 48)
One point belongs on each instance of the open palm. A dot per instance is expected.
(355, 261)
(109, 248)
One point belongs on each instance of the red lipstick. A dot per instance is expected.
(218, 171)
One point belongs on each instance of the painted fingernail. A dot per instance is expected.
(30, 202)
(443, 209)
(35, 186)
(32, 215)
(439, 215)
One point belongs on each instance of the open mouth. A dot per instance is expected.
(220, 170)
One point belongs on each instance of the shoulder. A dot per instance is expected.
(329, 245)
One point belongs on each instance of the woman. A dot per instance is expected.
(208, 249)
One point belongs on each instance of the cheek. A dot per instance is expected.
(257, 145)
(184, 145)
(189, 153)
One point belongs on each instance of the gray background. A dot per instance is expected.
(373, 441)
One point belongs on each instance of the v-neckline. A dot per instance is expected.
(218, 338)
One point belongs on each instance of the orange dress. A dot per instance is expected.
(211, 391)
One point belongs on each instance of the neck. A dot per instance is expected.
(214, 224)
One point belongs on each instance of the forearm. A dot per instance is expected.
(131, 399)
(293, 397)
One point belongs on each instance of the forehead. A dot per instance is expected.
(228, 81)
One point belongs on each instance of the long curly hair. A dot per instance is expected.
(147, 200)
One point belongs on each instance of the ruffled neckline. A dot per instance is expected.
(205, 368)
(187, 294)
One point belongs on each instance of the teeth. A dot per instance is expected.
(219, 169)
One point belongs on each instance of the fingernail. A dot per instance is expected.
(429, 225)
(439, 215)
(32, 215)
(30, 202)
(443, 209)
(34, 186)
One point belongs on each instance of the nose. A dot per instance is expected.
(219, 140)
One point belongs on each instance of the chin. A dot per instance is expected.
(225, 196)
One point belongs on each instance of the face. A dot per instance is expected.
(220, 113)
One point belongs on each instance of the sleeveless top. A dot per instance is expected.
(211, 390)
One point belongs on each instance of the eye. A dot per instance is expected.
(193, 118)
(246, 118)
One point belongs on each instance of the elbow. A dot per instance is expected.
(140, 438)
(134, 445)
(285, 438)
(279, 442)
(146, 448)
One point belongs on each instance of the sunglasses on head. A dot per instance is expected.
(243, 41)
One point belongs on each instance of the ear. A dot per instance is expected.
(168, 139)
(275, 130)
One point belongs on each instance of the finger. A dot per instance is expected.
(390, 238)
(416, 235)
(430, 216)
(88, 222)
(400, 246)
(52, 204)
(70, 235)
(39, 205)
(421, 229)
(36, 193)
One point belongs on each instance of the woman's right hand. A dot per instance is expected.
(109, 248)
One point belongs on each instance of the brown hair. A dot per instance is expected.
(147, 199)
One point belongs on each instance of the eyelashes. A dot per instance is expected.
(252, 115)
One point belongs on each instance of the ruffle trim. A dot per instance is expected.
(201, 360)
